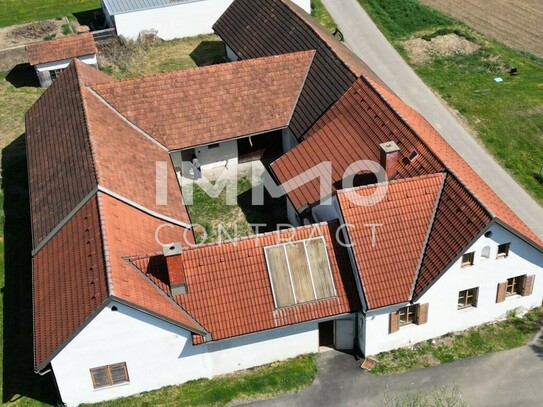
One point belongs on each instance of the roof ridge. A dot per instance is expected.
(168, 297)
(391, 182)
(295, 104)
(86, 120)
(204, 68)
(428, 232)
(370, 83)
(105, 244)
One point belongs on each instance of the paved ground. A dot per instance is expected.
(511, 378)
(366, 41)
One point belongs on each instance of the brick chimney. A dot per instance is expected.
(389, 158)
(176, 273)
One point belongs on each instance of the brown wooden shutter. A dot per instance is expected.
(500, 295)
(422, 314)
(475, 296)
(394, 322)
(528, 285)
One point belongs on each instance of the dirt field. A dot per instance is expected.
(517, 23)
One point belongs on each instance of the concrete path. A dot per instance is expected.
(510, 378)
(363, 37)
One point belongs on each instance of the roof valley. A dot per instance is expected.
(105, 245)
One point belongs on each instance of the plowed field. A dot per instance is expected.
(517, 23)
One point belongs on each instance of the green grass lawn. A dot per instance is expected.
(261, 382)
(507, 116)
(511, 333)
(319, 12)
(24, 11)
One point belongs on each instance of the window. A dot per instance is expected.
(212, 146)
(55, 73)
(407, 315)
(467, 259)
(514, 285)
(468, 298)
(412, 314)
(109, 375)
(412, 155)
(503, 250)
(520, 285)
(485, 253)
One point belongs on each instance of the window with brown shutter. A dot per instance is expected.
(501, 293)
(514, 285)
(109, 375)
(528, 285)
(394, 322)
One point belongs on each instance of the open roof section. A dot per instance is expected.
(209, 104)
(257, 28)
(229, 290)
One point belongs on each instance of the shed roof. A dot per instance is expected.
(72, 46)
(128, 6)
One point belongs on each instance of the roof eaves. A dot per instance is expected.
(428, 232)
(199, 328)
(518, 234)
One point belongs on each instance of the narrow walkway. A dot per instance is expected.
(368, 43)
(510, 378)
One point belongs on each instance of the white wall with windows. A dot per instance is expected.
(157, 354)
(444, 312)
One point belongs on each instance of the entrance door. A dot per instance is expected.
(326, 334)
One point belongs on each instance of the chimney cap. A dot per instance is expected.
(389, 147)
(172, 249)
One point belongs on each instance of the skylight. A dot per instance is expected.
(299, 272)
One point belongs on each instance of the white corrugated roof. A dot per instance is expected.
(127, 6)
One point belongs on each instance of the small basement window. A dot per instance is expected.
(109, 375)
(468, 298)
(503, 250)
(467, 259)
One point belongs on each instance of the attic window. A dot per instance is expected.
(467, 259)
(299, 272)
(110, 375)
(503, 250)
(413, 155)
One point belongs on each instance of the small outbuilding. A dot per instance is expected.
(169, 18)
(50, 58)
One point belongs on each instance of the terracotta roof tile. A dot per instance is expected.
(455, 163)
(257, 28)
(72, 46)
(213, 103)
(229, 290)
(69, 281)
(388, 253)
(349, 131)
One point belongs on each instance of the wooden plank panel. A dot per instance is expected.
(299, 268)
(316, 253)
(279, 275)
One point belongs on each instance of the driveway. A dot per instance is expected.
(510, 378)
(363, 37)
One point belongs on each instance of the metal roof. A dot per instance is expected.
(127, 6)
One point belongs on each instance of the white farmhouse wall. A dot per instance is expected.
(443, 313)
(158, 354)
(50, 66)
(179, 20)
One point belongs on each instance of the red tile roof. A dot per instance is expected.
(69, 281)
(229, 290)
(72, 46)
(456, 164)
(213, 103)
(70, 152)
(349, 131)
(389, 237)
(258, 28)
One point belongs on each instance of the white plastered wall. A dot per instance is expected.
(443, 313)
(158, 353)
(50, 66)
